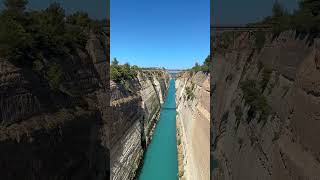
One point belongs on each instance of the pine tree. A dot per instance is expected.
(17, 6)
(277, 9)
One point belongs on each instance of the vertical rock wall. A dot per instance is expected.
(135, 111)
(193, 124)
(266, 108)
(56, 134)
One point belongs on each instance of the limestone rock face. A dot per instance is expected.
(56, 134)
(282, 142)
(193, 120)
(135, 111)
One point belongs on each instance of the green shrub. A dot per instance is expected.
(121, 73)
(181, 174)
(256, 100)
(37, 65)
(189, 93)
(29, 37)
(205, 67)
(266, 74)
(14, 39)
(179, 141)
(24, 34)
(305, 20)
(54, 76)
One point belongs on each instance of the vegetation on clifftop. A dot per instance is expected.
(41, 40)
(205, 67)
(121, 73)
(25, 34)
(305, 20)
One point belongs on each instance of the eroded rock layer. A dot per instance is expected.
(193, 124)
(266, 105)
(135, 110)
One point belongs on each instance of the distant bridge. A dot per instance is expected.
(175, 71)
(218, 30)
(240, 28)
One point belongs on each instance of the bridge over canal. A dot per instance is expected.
(218, 30)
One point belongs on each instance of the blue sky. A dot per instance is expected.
(97, 9)
(160, 33)
(238, 12)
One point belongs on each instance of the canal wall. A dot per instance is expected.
(56, 132)
(265, 114)
(193, 125)
(135, 111)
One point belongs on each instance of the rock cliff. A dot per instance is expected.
(56, 133)
(135, 111)
(265, 108)
(193, 124)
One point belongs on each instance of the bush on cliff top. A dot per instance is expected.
(305, 20)
(205, 67)
(40, 40)
(23, 34)
(121, 73)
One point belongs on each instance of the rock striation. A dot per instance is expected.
(61, 133)
(135, 111)
(266, 108)
(193, 124)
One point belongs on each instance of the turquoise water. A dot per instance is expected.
(160, 160)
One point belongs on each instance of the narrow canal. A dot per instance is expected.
(160, 160)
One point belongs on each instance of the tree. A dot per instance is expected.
(16, 6)
(14, 9)
(312, 6)
(115, 75)
(196, 67)
(306, 20)
(126, 71)
(206, 64)
(277, 9)
(79, 18)
(115, 62)
(55, 17)
(13, 38)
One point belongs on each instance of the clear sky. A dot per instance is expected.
(98, 9)
(160, 33)
(239, 12)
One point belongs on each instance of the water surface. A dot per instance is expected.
(160, 160)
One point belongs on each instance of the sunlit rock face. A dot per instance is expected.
(265, 108)
(193, 123)
(135, 111)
